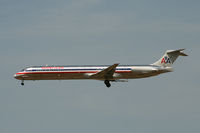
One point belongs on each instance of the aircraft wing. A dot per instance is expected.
(106, 73)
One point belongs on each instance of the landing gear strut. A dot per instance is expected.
(107, 83)
(22, 83)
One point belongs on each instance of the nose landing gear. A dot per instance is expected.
(22, 83)
(107, 83)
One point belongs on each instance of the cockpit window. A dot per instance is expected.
(22, 70)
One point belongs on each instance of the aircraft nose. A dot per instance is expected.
(17, 76)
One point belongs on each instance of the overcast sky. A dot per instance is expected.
(75, 32)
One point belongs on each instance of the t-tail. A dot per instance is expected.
(169, 57)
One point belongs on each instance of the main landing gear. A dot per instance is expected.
(107, 83)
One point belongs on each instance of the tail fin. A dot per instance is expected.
(169, 57)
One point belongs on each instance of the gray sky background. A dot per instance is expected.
(99, 32)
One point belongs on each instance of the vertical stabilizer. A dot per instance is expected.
(169, 57)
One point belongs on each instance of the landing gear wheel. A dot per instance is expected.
(107, 83)
(22, 83)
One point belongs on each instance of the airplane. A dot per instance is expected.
(106, 73)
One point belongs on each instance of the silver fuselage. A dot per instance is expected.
(85, 72)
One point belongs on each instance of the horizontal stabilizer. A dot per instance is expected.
(180, 51)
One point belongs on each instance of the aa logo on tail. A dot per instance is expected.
(165, 60)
